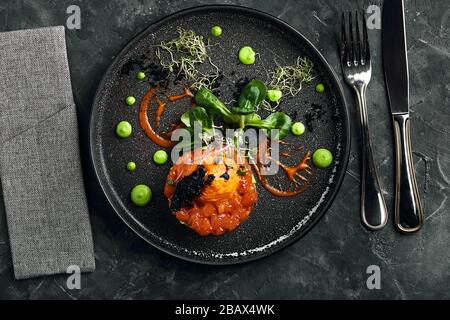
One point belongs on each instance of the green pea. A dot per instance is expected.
(322, 158)
(320, 88)
(216, 31)
(274, 95)
(141, 195)
(130, 100)
(124, 129)
(131, 166)
(298, 128)
(140, 75)
(160, 157)
(247, 55)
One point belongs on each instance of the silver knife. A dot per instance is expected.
(408, 208)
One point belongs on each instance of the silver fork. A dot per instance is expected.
(357, 70)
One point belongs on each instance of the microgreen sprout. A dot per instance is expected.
(289, 79)
(184, 54)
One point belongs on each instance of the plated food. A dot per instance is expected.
(213, 193)
(208, 130)
(211, 189)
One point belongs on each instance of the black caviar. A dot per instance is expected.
(189, 187)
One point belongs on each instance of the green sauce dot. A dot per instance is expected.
(130, 100)
(298, 128)
(140, 75)
(320, 88)
(160, 157)
(131, 166)
(322, 158)
(216, 31)
(141, 195)
(247, 55)
(124, 129)
(274, 95)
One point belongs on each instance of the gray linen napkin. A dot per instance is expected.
(40, 168)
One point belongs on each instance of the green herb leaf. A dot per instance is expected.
(198, 115)
(185, 119)
(251, 96)
(241, 171)
(213, 106)
(277, 120)
(191, 118)
(280, 121)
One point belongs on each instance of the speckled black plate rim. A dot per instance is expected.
(340, 96)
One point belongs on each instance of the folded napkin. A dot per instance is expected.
(40, 168)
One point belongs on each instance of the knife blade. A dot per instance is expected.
(395, 58)
(408, 208)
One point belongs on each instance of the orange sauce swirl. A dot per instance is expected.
(145, 123)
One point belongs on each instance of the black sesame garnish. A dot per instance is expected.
(314, 113)
(187, 188)
(210, 179)
(225, 176)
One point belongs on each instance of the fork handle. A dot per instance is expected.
(408, 208)
(373, 207)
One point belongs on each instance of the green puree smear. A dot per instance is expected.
(320, 88)
(274, 95)
(322, 158)
(131, 166)
(247, 55)
(298, 129)
(216, 31)
(124, 129)
(160, 157)
(141, 195)
(140, 75)
(130, 100)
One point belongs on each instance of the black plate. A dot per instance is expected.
(275, 222)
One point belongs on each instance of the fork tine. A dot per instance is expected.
(352, 43)
(358, 56)
(366, 40)
(344, 49)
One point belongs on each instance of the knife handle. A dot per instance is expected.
(408, 208)
(373, 208)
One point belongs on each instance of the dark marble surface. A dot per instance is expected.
(331, 261)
